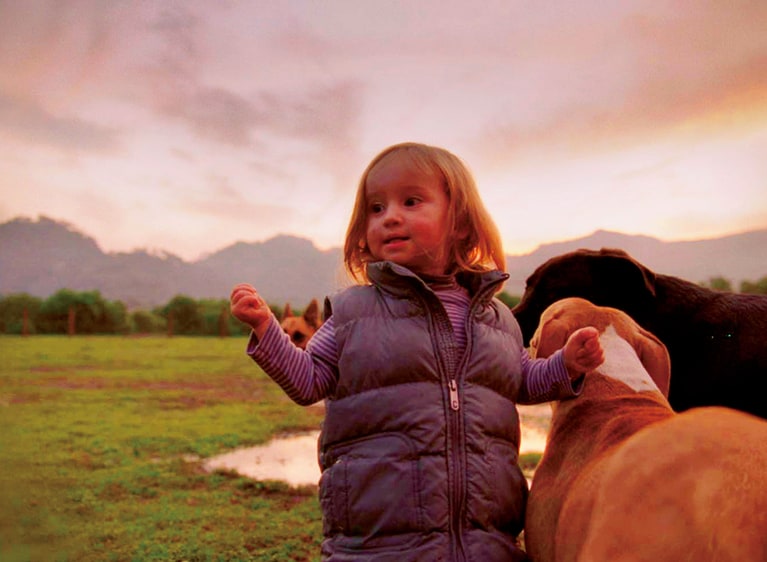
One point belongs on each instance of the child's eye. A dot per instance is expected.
(376, 208)
(411, 201)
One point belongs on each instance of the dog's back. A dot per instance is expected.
(693, 487)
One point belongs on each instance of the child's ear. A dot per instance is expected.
(463, 232)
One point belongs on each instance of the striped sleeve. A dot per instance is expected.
(306, 376)
(546, 379)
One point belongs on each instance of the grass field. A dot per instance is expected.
(101, 443)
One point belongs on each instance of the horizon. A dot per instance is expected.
(156, 126)
(162, 252)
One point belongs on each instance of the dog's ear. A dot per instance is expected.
(646, 275)
(550, 336)
(312, 314)
(655, 359)
(287, 311)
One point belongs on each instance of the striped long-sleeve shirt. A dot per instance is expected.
(308, 376)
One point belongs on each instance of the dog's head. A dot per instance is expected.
(565, 316)
(301, 328)
(608, 277)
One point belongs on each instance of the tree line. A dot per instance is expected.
(751, 287)
(88, 312)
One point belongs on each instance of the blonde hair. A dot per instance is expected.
(472, 238)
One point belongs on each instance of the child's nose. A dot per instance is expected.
(393, 215)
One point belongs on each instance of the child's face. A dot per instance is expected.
(407, 215)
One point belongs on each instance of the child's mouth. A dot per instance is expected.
(396, 240)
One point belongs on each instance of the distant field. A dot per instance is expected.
(100, 445)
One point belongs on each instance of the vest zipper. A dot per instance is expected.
(454, 404)
(457, 491)
(459, 436)
(440, 324)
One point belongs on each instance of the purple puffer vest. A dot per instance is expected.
(419, 446)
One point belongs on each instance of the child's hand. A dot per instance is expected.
(583, 352)
(247, 306)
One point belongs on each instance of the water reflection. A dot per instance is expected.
(293, 459)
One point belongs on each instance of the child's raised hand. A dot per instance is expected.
(583, 352)
(247, 306)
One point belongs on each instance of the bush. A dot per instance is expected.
(92, 314)
(758, 288)
(144, 322)
(12, 311)
(509, 300)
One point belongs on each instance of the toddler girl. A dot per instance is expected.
(421, 368)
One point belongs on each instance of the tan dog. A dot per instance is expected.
(301, 328)
(624, 478)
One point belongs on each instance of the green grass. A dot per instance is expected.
(528, 462)
(100, 441)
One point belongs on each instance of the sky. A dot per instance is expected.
(187, 126)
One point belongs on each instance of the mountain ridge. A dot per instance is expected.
(43, 256)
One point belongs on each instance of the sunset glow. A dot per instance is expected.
(190, 126)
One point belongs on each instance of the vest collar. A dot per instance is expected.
(400, 281)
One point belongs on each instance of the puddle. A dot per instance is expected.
(535, 420)
(293, 459)
(533, 440)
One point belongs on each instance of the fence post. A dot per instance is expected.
(71, 321)
(25, 322)
(223, 323)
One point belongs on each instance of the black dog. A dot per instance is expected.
(717, 340)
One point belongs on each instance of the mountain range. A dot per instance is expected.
(41, 256)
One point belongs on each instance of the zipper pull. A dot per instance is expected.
(454, 395)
